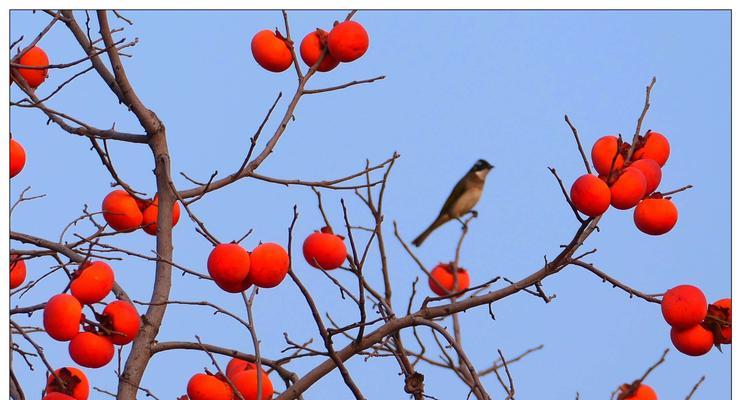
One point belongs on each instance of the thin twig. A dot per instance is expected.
(578, 144)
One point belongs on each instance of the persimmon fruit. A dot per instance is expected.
(124, 320)
(655, 215)
(628, 190)
(121, 211)
(442, 280)
(17, 158)
(73, 383)
(246, 384)
(57, 396)
(654, 146)
(721, 310)
(590, 195)
(17, 271)
(93, 282)
(150, 213)
(228, 265)
(642, 392)
(34, 57)
(271, 51)
(693, 341)
(348, 41)
(604, 151)
(62, 315)
(651, 171)
(312, 47)
(91, 350)
(238, 365)
(209, 387)
(234, 287)
(324, 249)
(684, 306)
(269, 265)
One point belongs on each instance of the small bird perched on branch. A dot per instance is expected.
(462, 199)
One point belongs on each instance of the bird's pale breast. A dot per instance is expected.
(466, 202)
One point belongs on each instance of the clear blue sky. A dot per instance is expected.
(460, 86)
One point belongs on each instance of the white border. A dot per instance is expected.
(382, 4)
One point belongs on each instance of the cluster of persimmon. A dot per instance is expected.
(346, 42)
(636, 391)
(234, 269)
(446, 279)
(125, 213)
(625, 184)
(118, 324)
(35, 57)
(243, 374)
(695, 325)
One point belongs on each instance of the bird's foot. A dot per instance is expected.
(474, 213)
(463, 223)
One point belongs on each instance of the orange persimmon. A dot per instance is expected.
(17, 158)
(246, 383)
(312, 47)
(123, 320)
(655, 216)
(347, 41)
(642, 392)
(693, 341)
(590, 195)
(238, 365)
(121, 211)
(209, 387)
(91, 350)
(62, 315)
(72, 382)
(269, 265)
(684, 306)
(628, 189)
(17, 271)
(271, 51)
(654, 146)
(150, 213)
(651, 171)
(57, 396)
(323, 249)
(92, 283)
(721, 311)
(442, 281)
(34, 57)
(228, 265)
(604, 150)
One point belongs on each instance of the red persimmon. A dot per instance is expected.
(271, 51)
(442, 280)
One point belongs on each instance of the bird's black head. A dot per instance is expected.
(482, 165)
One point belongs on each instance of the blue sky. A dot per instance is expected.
(460, 86)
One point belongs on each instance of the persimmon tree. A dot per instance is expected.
(419, 332)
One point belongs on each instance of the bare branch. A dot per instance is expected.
(615, 283)
(646, 106)
(343, 86)
(694, 388)
(578, 144)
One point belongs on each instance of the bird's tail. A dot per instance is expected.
(422, 236)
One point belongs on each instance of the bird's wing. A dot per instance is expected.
(455, 194)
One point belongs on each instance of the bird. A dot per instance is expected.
(462, 199)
